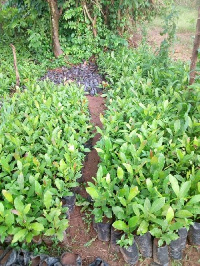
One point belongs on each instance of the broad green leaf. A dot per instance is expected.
(143, 228)
(7, 195)
(175, 185)
(19, 165)
(133, 192)
(177, 125)
(19, 204)
(157, 205)
(147, 205)
(170, 215)
(37, 227)
(19, 235)
(108, 178)
(1, 208)
(47, 199)
(123, 201)
(149, 184)
(133, 222)
(50, 232)
(120, 225)
(120, 173)
(183, 214)
(93, 192)
(20, 181)
(27, 208)
(118, 212)
(128, 168)
(38, 188)
(184, 189)
(194, 199)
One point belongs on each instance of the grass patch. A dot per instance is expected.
(186, 19)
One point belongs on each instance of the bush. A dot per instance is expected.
(148, 179)
(42, 137)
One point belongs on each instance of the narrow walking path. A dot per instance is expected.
(83, 239)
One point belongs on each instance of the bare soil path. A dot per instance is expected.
(83, 240)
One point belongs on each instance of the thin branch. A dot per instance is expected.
(195, 50)
(15, 65)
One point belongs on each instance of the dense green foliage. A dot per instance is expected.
(42, 137)
(149, 177)
(79, 20)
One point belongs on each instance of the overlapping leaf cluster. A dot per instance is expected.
(149, 175)
(42, 136)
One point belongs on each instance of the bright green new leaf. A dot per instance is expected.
(170, 215)
(37, 227)
(185, 187)
(143, 228)
(7, 195)
(133, 192)
(19, 165)
(128, 168)
(177, 125)
(157, 205)
(195, 199)
(19, 235)
(92, 192)
(47, 199)
(133, 222)
(1, 208)
(183, 214)
(120, 225)
(27, 208)
(120, 173)
(19, 206)
(118, 212)
(175, 185)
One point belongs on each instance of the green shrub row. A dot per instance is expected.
(149, 174)
(43, 130)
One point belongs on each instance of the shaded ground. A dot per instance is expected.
(181, 50)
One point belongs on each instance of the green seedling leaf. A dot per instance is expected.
(120, 225)
(133, 222)
(7, 195)
(92, 192)
(133, 192)
(27, 208)
(185, 187)
(1, 208)
(195, 199)
(175, 185)
(20, 181)
(19, 235)
(19, 165)
(170, 215)
(177, 125)
(149, 184)
(47, 199)
(128, 168)
(143, 228)
(120, 173)
(147, 205)
(184, 214)
(19, 204)
(157, 205)
(37, 227)
(118, 212)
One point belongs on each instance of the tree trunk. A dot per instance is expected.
(55, 15)
(195, 51)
